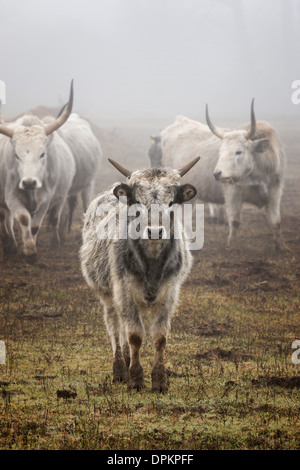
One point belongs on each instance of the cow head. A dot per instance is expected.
(237, 152)
(29, 140)
(155, 189)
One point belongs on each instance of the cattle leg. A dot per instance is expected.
(37, 220)
(7, 234)
(159, 331)
(212, 214)
(86, 195)
(136, 373)
(114, 329)
(220, 215)
(126, 352)
(2, 234)
(29, 226)
(54, 218)
(234, 204)
(135, 333)
(274, 219)
(29, 243)
(158, 374)
(72, 203)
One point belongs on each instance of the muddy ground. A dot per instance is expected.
(233, 384)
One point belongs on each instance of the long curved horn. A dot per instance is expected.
(120, 168)
(252, 129)
(213, 129)
(62, 110)
(6, 131)
(63, 116)
(182, 171)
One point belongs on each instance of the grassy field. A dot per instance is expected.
(232, 381)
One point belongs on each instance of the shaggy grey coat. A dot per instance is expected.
(132, 276)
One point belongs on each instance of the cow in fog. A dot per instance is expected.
(155, 152)
(237, 166)
(36, 173)
(87, 153)
(132, 275)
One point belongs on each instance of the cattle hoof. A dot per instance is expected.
(119, 371)
(136, 378)
(136, 386)
(159, 379)
(160, 387)
(119, 379)
(233, 247)
(29, 250)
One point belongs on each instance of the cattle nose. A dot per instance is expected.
(155, 233)
(29, 183)
(217, 174)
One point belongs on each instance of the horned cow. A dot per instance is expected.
(37, 169)
(131, 275)
(237, 166)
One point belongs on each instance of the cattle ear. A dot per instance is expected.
(184, 193)
(261, 145)
(122, 191)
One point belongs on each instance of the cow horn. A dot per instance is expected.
(252, 129)
(213, 129)
(120, 168)
(63, 115)
(61, 111)
(182, 171)
(6, 131)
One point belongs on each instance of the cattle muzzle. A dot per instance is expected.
(217, 174)
(154, 233)
(224, 179)
(29, 183)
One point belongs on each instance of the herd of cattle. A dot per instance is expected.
(45, 164)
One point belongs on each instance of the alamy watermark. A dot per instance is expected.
(296, 354)
(296, 94)
(2, 352)
(160, 222)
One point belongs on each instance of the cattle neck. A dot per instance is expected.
(154, 249)
(151, 270)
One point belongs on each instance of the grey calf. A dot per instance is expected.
(131, 276)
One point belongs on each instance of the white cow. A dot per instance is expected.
(236, 166)
(36, 172)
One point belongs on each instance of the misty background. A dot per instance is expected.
(142, 59)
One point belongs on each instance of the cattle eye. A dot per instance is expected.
(42, 155)
(238, 152)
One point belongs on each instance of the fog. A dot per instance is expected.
(142, 59)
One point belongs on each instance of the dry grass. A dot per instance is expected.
(232, 382)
